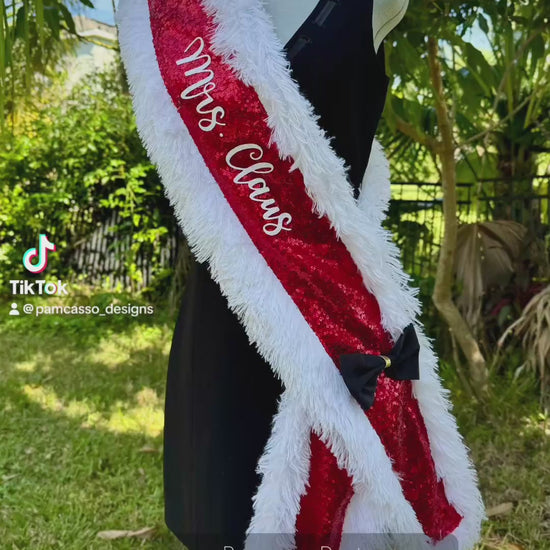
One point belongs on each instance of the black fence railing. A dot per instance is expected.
(106, 253)
(416, 213)
(415, 217)
(105, 257)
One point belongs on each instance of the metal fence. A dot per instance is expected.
(415, 217)
(416, 213)
(102, 257)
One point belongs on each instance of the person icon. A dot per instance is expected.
(14, 310)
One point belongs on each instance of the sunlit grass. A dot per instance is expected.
(81, 409)
(81, 415)
(510, 444)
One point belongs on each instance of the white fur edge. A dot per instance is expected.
(168, 143)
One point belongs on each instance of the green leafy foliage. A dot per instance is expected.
(495, 61)
(31, 33)
(71, 163)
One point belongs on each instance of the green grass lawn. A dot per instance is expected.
(509, 438)
(81, 414)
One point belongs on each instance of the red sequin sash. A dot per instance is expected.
(227, 122)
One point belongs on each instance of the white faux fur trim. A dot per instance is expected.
(315, 396)
(375, 193)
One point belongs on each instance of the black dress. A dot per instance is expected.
(221, 395)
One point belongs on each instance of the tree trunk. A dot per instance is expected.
(444, 281)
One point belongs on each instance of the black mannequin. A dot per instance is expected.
(288, 15)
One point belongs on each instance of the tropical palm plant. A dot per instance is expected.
(533, 327)
(496, 264)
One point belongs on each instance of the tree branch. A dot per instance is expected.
(495, 125)
(420, 137)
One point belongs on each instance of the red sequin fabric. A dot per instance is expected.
(227, 121)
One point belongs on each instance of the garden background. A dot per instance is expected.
(467, 132)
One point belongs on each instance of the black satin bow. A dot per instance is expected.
(361, 371)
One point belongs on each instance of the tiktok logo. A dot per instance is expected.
(44, 245)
